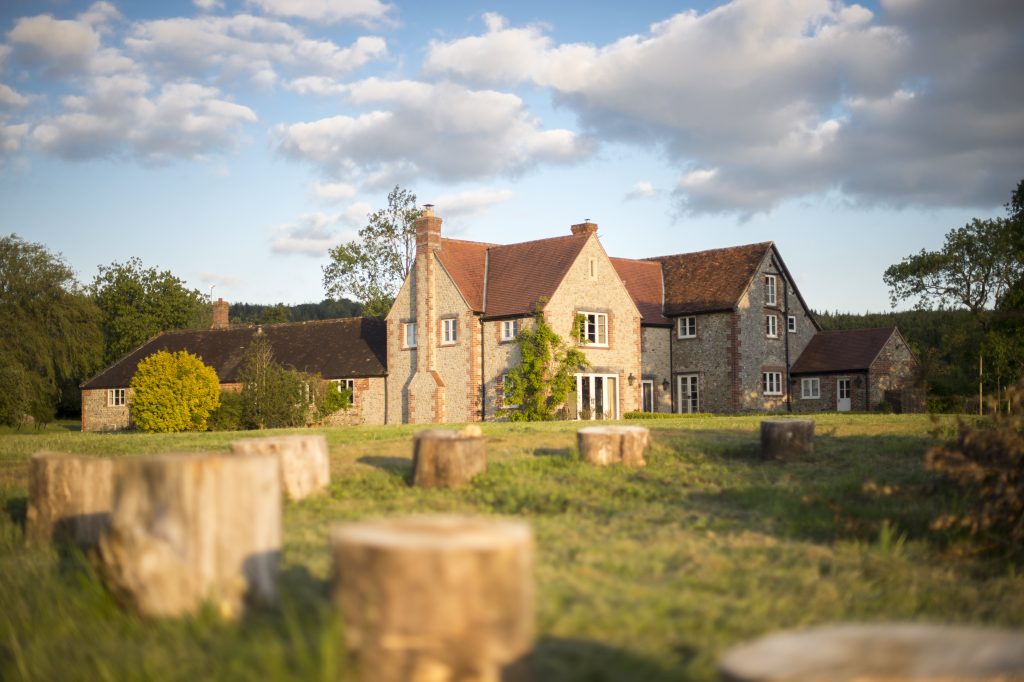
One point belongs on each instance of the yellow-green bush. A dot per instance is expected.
(173, 392)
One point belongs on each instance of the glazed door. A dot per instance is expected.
(597, 396)
(843, 394)
(689, 394)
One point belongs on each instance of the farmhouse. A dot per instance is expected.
(725, 330)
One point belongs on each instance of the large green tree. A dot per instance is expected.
(273, 396)
(50, 337)
(372, 268)
(139, 302)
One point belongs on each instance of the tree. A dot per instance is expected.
(975, 268)
(372, 268)
(138, 303)
(173, 392)
(545, 375)
(273, 396)
(50, 337)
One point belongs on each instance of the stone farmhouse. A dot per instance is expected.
(723, 331)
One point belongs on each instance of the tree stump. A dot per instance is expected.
(69, 498)
(447, 459)
(436, 599)
(875, 653)
(192, 528)
(305, 467)
(786, 438)
(604, 445)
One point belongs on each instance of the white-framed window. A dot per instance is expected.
(647, 395)
(594, 330)
(769, 290)
(506, 400)
(509, 330)
(810, 388)
(686, 327)
(772, 383)
(771, 326)
(410, 335)
(791, 324)
(350, 385)
(449, 331)
(115, 397)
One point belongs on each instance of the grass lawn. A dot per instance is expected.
(642, 574)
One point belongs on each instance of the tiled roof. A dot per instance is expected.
(643, 281)
(343, 348)
(709, 281)
(466, 263)
(520, 274)
(842, 351)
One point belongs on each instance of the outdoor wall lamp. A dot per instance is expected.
(632, 379)
(664, 385)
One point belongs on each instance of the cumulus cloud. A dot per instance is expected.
(10, 98)
(326, 11)
(642, 190)
(11, 137)
(208, 5)
(314, 234)
(917, 105)
(333, 192)
(245, 45)
(470, 202)
(316, 85)
(442, 131)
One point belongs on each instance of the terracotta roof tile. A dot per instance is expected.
(341, 348)
(466, 263)
(709, 281)
(520, 274)
(842, 351)
(643, 281)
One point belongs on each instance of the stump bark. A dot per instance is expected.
(305, 467)
(436, 599)
(193, 528)
(604, 445)
(867, 653)
(69, 498)
(447, 459)
(786, 438)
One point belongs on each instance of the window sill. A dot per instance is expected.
(686, 338)
(602, 346)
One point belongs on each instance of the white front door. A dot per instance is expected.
(843, 394)
(689, 394)
(597, 396)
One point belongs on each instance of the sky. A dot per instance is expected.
(234, 142)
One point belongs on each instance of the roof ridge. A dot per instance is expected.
(723, 248)
(858, 329)
(545, 239)
(469, 241)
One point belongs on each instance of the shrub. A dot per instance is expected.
(228, 415)
(274, 396)
(883, 408)
(654, 415)
(986, 462)
(173, 392)
(335, 397)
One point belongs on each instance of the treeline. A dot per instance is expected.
(255, 313)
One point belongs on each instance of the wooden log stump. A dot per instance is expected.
(604, 445)
(305, 467)
(69, 498)
(787, 438)
(193, 528)
(876, 653)
(448, 459)
(436, 599)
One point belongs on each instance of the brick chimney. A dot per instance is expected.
(220, 314)
(428, 229)
(586, 227)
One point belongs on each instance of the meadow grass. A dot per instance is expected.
(643, 574)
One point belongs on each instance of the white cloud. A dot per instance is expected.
(99, 15)
(208, 5)
(440, 131)
(316, 85)
(59, 46)
(642, 190)
(918, 106)
(10, 98)
(11, 137)
(326, 11)
(219, 279)
(247, 46)
(470, 202)
(333, 192)
(313, 234)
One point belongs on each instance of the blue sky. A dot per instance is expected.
(233, 142)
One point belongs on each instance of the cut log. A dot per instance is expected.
(69, 498)
(447, 459)
(305, 467)
(436, 599)
(787, 438)
(193, 528)
(845, 653)
(604, 445)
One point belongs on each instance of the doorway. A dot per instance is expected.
(689, 394)
(843, 394)
(597, 396)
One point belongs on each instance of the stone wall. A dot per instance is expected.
(828, 400)
(401, 360)
(368, 407)
(655, 347)
(97, 415)
(499, 356)
(895, 369)
(707, 355)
